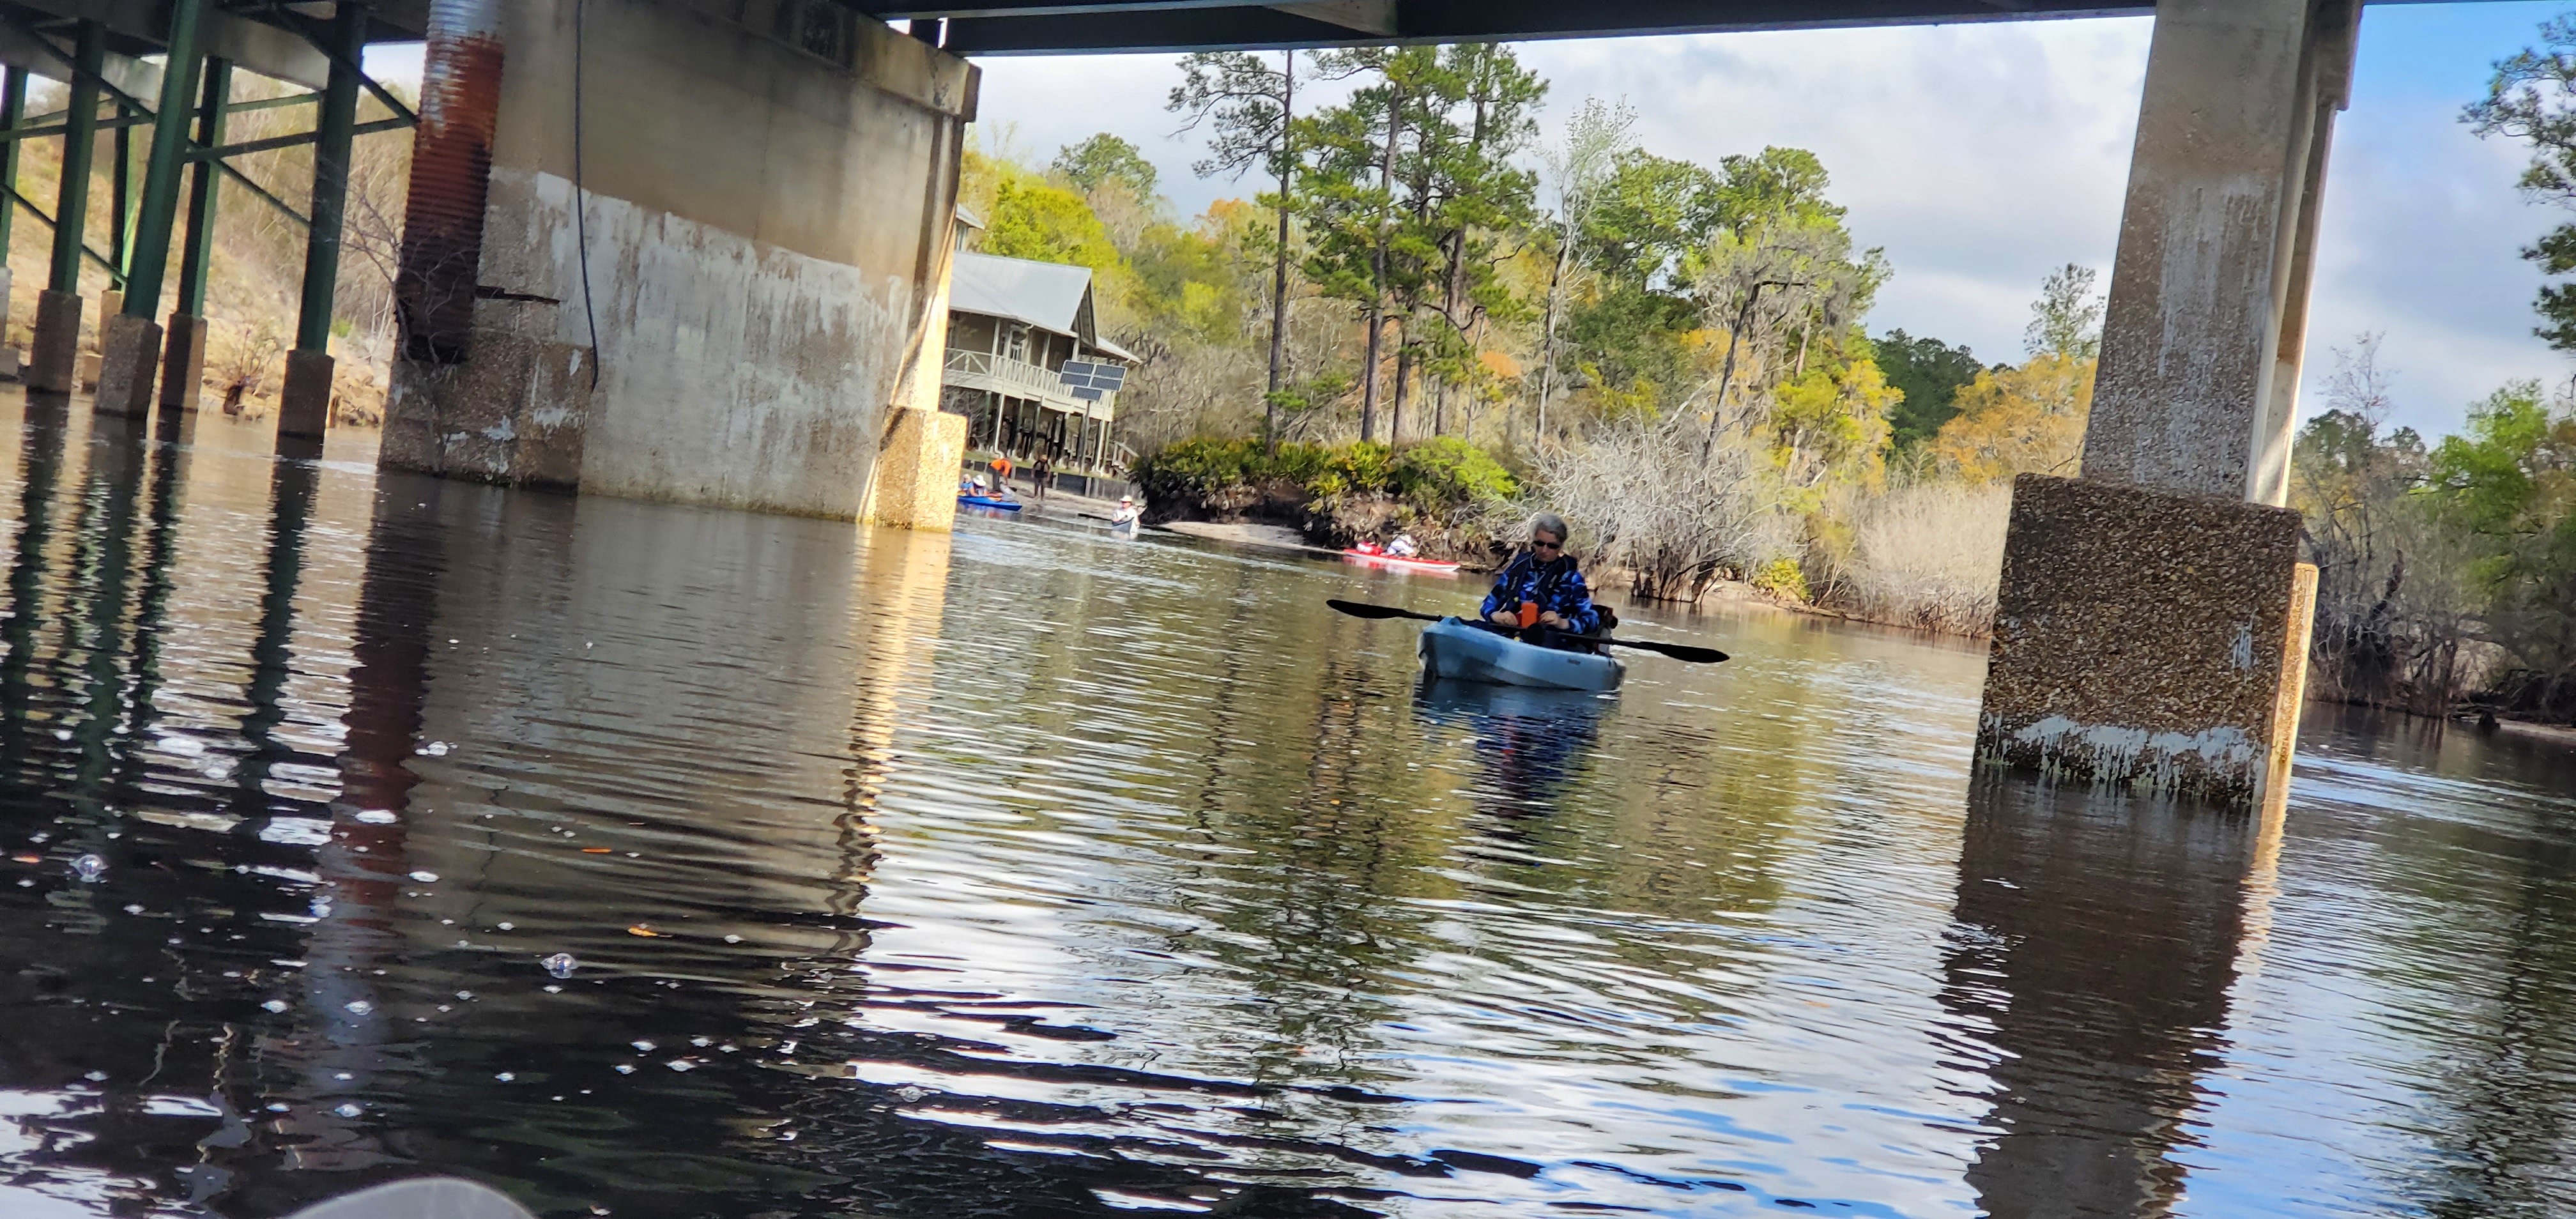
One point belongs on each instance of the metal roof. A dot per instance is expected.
(1051, 296)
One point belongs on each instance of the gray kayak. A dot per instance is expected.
(1462, 651)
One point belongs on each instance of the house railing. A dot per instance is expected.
(1020, 379)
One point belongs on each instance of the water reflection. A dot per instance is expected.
(1529, 743)
(2097, 935)
(1025, 873)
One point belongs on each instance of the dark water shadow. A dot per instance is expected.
(2093, 944)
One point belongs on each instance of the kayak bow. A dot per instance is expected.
(1456, 648)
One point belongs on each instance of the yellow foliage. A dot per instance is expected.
(2022, 420)
(1830, 425)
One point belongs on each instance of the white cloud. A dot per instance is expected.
(1982, 155)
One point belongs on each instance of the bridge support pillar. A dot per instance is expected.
(304, 400)
(183, 358)
(666, 254)
(55, 353)
(2152, 624)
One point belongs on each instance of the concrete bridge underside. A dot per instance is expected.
(694, 250)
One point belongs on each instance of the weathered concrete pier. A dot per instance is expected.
(2153, 621)
(672, 250)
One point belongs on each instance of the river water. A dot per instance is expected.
(1030, 872)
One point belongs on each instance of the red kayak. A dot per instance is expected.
(1426, 566)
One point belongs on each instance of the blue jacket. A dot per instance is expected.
(1556, 586)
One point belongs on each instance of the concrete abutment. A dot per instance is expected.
(718, 302)
(2152, 624)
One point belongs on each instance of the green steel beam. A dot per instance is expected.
(247, 147)
(13, 107)
(89, 76)
(27, 205)
(47, 126)
(342, 56)
(160, 211)
(195, 257)
(338, 128)
(120, 219)
(79, 141)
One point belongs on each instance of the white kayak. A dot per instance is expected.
(1462, 651)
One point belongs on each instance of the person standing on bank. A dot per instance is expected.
(1542, 587)
(1044, 474)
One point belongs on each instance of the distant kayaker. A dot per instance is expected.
(1542, 586)
(1402, 547)
(1127, 515)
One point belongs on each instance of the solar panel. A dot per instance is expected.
(1082, 375)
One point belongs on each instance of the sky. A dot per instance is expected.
(1979, 156)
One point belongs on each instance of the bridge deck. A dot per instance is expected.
(1004, 27)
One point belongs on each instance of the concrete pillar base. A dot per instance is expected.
(56, 355)
(304, 405)
(2148, 639)
(183, 362)
(129, 362)
(914, 485)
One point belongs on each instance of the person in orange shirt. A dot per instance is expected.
(1001, 472)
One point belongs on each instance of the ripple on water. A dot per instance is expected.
(681, 862)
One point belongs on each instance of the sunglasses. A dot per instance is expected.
(1540, 544)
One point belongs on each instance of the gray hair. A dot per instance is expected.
(1550, 523)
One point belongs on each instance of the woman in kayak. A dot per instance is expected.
(1541, 586)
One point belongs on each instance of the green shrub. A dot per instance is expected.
(1783, 578)
(1193, 469)
(1446, 472)
(1436, 477)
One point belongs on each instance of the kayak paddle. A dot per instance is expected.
(1678, 651)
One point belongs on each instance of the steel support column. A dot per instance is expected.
(120, 198)
(305, 408)
(58, 309)
(183, 360)
(130, 343)
(13, 111)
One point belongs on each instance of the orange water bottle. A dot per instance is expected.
(1529, 614)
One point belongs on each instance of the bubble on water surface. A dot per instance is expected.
(275, 1005)
(509, 926)
(425, 877)
(626, 1068)
(348, 1109)
(378, 816)
(359, 1007)
(506, 1076)
(89, 868)
(561, 964)
(436, 749)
